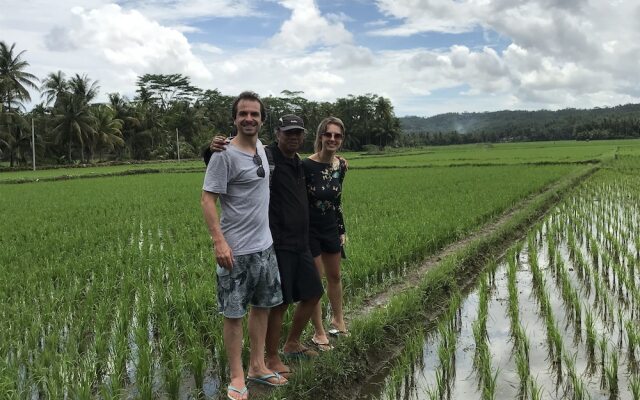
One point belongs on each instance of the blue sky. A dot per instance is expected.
(427, 56)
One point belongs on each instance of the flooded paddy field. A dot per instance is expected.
(107, 289)
(556, 318)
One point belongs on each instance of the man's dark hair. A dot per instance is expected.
(248, 95)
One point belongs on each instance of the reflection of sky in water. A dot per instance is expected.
(501, 345)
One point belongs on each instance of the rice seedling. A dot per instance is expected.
(489, 388)
(611, 372)
(535, 391)
(602, 346)
(398, 383)
(591, 338)
(634, 387)
(448, 331)
(523, 369)
(633, 341)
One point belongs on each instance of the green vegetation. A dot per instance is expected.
(169, 118)
(582, 262)
(99, 171)
(451, 128)
(108, 284)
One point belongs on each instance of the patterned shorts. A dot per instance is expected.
(254, 279)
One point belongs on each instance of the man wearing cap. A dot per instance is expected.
(289, 224)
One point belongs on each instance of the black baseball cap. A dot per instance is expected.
(289, 122)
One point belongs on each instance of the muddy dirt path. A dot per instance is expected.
(382, 298)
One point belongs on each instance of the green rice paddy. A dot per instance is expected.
(108, 289)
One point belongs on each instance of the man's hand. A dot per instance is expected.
(224, 255)
(346, 163)
(219, 143)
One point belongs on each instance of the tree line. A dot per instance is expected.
(617, 122)
(167, 113)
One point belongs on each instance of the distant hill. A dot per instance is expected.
(623, 120)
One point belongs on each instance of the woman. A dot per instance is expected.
(324, 173)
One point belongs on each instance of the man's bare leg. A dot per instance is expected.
(258, 321)
(301, 315)
(274, 329)
(232, 336)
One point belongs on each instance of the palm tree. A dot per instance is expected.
(14, 88)
(73, 122)
(53, 86)
(14, 81)
(123, 111)
(73, 119)
(83, 89)
(108, 130)
(385, 121)
(14, 136)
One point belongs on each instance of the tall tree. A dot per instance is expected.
(165, 89)
(14, 136)
(124, 111)
(73, 123)
(83, 89)
(14, 80)
(53, 87)
(108, 130)
(14, 88)
(387, 125)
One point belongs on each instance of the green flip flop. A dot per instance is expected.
(322, 346)
(304, 354)
(264, 379)
(241, 392)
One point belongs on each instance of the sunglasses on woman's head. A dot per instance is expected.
(257, 160)
(332, 135)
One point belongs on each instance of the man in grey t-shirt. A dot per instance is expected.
(247, 271)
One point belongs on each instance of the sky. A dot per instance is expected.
(427, 56)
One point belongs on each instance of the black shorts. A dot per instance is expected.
(324, 240)
(298, 275)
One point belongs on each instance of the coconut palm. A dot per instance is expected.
(387, 126)
(73, 122)
(81, 87)
(124, 111)
(73, 119)
(14, 88)
(15, 136)
(108, 130)
(14, 81)
(53, 86)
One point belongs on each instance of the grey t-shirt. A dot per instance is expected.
(244, 198)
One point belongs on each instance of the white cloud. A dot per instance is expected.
(377, 23)
(307, 27)
(427, 16)
(208, 48)
(578, 53)
(562, 52)
(172, 10)
(130, 40)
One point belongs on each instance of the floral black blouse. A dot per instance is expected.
(324, 189)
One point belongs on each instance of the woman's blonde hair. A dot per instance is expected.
(317, 145)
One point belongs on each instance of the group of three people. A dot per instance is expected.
(280, 229)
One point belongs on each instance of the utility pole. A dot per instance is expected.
(33, 144)
(178, 143)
